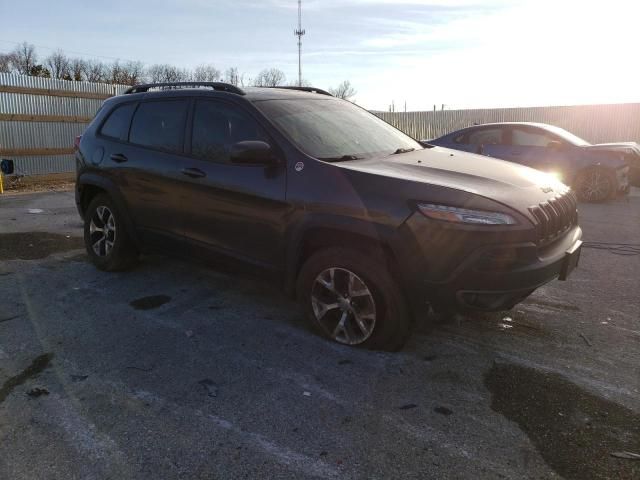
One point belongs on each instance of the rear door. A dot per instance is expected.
(236, 209)
(150, 163)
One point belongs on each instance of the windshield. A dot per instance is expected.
(332, 129)
(568, 136)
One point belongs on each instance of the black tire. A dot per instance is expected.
(122, 254)
(392, 321)
(595, 184)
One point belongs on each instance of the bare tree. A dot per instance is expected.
(344, 90)
(132, 73)
(269, 77)
(116, 73)
(24, 58)
(58, 64)
(77, 67)
(39, 71)
(95, 71)
(232, 76)
(166, 73)
(206, 73)
(6, 62)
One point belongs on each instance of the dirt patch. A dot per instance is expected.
(149, 303)
(63, 182)
(574, 431)
(36, 367)
(34, 245)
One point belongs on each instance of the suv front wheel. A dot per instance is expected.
(353, 299)
(105, 236)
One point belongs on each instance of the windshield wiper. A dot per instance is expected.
(339, 159)
(403, 150)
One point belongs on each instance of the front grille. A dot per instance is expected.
(555, 217)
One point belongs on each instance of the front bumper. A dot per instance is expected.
(495, 275)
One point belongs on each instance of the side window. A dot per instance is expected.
(217, 126)
(159, 124)
(459, 139)
(486, 136)
(530, 138)
(117, 124)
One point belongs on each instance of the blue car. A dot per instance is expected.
(596, 172)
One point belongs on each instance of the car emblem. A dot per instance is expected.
(299, 166)
(546, 189)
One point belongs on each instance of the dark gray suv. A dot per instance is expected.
(361, 222)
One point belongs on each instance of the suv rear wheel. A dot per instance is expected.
(352, 299)
(105, 236)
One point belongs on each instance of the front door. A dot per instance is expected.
(236, 209)
(530, 146)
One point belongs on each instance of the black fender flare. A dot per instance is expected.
(109, 186)
(296, 236)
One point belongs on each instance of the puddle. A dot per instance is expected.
(35, 245)
(575, 431)
(149, 303)
(36, 367)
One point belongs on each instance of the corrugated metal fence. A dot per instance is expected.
(40, 117)
(594, 123)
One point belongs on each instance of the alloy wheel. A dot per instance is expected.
(102, 231)
(594, 186)
(343, 306)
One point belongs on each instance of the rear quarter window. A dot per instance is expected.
(117, 123)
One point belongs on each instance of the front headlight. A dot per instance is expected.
(463, 215)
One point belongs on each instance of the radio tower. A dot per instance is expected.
(299, 33)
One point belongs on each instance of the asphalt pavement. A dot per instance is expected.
(174, 370)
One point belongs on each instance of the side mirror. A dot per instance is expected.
(555, 145)
(252, 152)
(6, 166)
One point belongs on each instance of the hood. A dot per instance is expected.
(623, 147)
(508, 183)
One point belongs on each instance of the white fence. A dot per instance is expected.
(594, 123)
(40, 117)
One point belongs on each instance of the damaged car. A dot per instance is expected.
(596, 172)
(360, 222)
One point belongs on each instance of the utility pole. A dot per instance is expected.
(299, 33)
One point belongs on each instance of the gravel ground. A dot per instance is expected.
(176, 371)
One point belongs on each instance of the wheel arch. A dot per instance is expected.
(315, 235)
(90, 185)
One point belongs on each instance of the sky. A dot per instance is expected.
(460, 53)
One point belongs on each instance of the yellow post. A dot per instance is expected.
(1, 184)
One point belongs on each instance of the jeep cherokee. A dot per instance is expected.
(366, 226)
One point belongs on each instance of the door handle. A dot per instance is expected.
(118, 158)
(193, 172)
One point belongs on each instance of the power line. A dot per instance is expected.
(69, 51)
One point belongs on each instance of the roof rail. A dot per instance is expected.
(220, 86)
(307, 89)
